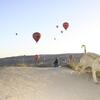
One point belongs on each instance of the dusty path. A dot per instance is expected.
(28, 83)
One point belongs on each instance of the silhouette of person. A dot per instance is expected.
(56, 62)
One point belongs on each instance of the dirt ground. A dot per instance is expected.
(31, 83)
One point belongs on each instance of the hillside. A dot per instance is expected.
(45, 60)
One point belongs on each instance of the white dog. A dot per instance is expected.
(90, 60)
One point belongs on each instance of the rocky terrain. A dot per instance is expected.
(44, 60)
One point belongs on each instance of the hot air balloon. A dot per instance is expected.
(16, 33)
(65, 25)
(36, 36)
(56, 26)
(61, 31)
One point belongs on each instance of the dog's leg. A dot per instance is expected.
(94, 76)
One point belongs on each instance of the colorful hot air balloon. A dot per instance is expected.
(65, 25)
(36, 36)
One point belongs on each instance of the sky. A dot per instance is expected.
(28, 16)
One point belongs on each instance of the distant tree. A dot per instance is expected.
(84, 46)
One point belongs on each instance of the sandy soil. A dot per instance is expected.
(28, 83)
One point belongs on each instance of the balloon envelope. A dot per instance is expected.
(61, 31)
(56, 26)
(65, 25)
(36, 36)
(16, 33)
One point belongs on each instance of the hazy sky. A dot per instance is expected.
(28, 16)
